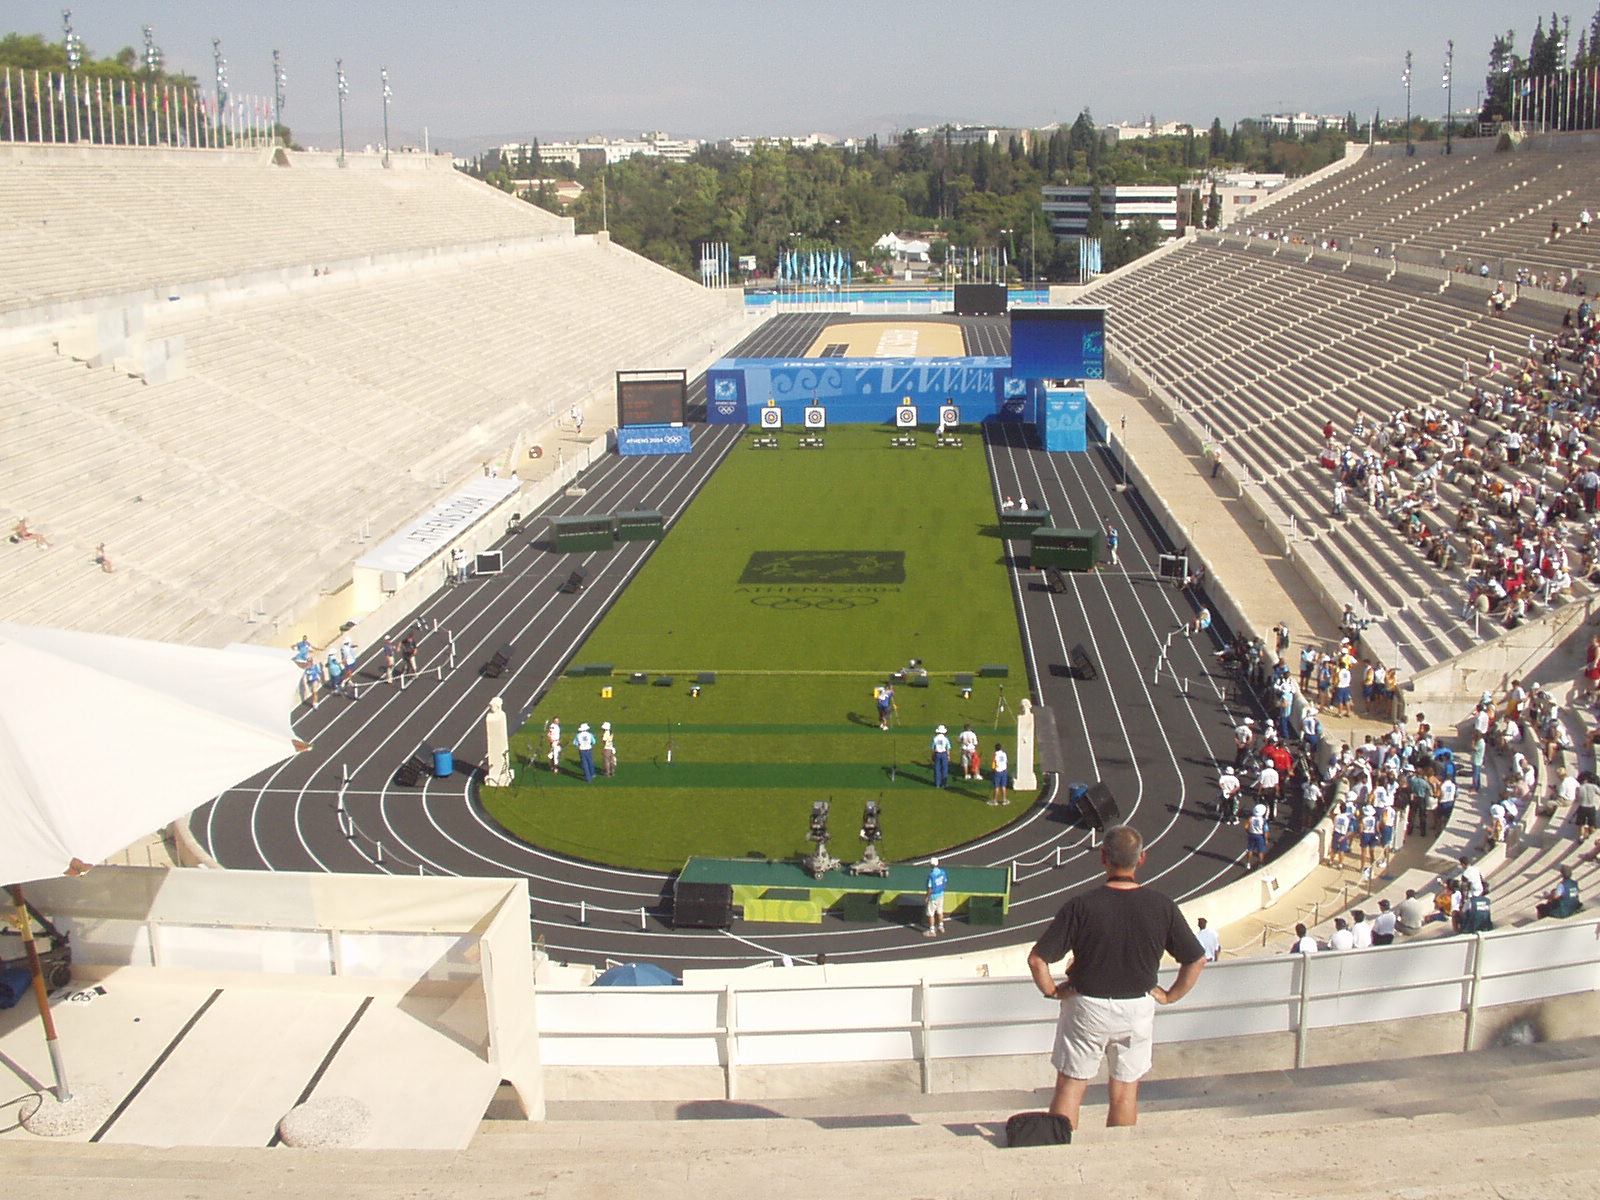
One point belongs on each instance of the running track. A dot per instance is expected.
(1152, 743)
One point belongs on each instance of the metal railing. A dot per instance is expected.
(927, 1021)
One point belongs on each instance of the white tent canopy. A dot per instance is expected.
(913, 250)
(104, 740)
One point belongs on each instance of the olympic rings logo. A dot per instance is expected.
(782, 603)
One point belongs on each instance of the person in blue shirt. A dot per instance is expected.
(941, 757)
(302, 651)
(1111, 544)
(311, 682)
(885, 705)
(585, 744)
(937, 881)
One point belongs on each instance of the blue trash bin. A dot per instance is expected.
(444, 764)
(14, 985)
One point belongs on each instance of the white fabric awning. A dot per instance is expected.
(104, 740)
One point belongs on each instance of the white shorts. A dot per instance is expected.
(934, 905)
(1091, 1029)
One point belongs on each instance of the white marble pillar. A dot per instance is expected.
(1023, 778)
(498, 760)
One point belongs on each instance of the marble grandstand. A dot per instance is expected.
(1363, 296)
(337, 348)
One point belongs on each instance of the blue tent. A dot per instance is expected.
(637, 975)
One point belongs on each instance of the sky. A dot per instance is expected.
(474, 72)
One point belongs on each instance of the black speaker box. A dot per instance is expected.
(1082, 664)
(496, 666)
(574, 582)
(1101, 808)
(702, 906)
(411, 772)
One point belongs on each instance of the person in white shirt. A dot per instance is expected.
(1001, 766)
(1412, 911)
(1228, 797)
(1208, 938)
(552, 734)
(1341, 938)
(1342, 825)
(1304, 942)
(1269, 788)
(1361, 931)
(1384, 925)
(970, 762)
(1472, 876)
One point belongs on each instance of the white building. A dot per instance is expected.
(745, 143)
(1126, 132)
(1299, 123)
(972, 135)
(615, 150)
(1067, 206)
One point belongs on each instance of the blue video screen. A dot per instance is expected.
(1058, 343)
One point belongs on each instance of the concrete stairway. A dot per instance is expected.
(1507, 1122)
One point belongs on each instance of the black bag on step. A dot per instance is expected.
(1038, 1129)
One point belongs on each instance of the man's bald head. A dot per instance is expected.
(1123, 848)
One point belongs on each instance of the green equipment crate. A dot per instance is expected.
(1069, 549)
(644, 525)
(859, 906)
(1019, 523)
(986, 910)
(582, 533)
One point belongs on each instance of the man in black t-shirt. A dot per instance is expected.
(1116, 935)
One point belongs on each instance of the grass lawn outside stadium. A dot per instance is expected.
(802, 578)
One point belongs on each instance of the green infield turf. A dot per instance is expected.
(802, 578)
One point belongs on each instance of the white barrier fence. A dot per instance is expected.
(925, 1021)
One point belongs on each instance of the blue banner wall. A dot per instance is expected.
(653, 439)
(1066, 419)
(855, 391)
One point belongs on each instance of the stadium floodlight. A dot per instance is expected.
(74, 46)
(222, 75)
(387, 96)
(1406, 79)
(280, 83)
(152, 54)
(1449, 114)
(344, 93)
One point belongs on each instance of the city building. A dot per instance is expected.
(1299, 123)
(971, 135)
(1126, 132)
(1067, 206)
(1238, 190)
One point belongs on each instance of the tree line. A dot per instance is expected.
(965, 195)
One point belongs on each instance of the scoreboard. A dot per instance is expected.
(652, 398)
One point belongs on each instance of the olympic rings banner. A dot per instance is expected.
(857, 391)
(653, 439)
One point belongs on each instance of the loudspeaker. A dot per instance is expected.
(501, 660)
(1174, 566)
(411, 772)
(1082, 664)
(702, 906)
(1100, 806)
(574, 582)
(1054, 580)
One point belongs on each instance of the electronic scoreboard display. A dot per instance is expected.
(652, 398)
(1058, 343)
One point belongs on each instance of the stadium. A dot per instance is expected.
(256, 397)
